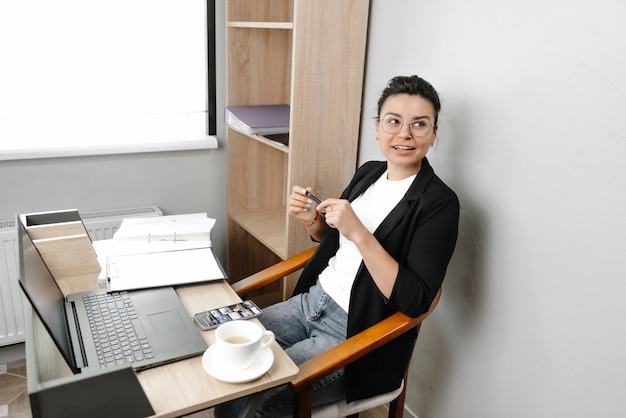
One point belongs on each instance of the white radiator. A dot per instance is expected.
(99, 224)
(102, 224)
(11, 317)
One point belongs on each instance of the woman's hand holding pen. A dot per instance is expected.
(340, 215)
(301, 206)
(337, 213)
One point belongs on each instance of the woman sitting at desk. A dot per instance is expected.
(384, 247)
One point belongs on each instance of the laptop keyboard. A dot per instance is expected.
(118, 335)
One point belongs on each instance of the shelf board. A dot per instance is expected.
(261, 25)
(268, 225)
(260, 138)
(273, 144)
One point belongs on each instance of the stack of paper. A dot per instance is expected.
(263, 120)
(159, 251)
(174, 228)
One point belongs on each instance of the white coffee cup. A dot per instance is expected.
(239, 343)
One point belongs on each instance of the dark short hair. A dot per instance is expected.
(412, 85)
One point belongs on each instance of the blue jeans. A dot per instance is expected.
(305, 325)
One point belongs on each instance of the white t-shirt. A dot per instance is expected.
(372, 207)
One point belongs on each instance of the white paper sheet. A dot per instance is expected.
(166, 268)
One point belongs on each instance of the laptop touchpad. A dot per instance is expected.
(167, 323)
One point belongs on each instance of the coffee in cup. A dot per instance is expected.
(239, 343)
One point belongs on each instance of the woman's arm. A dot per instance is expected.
(428, 250)
(382, 267)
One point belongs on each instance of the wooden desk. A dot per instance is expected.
(177, 388)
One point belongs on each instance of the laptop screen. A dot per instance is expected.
(44, 294)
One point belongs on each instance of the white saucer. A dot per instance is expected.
(213, 366)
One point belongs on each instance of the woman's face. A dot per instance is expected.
(403, 149)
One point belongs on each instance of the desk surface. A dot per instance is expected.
(182, 387)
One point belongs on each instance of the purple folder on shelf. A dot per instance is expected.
(263, 119)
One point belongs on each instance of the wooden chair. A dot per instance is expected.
(339, 356)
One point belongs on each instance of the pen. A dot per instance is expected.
(313, 197)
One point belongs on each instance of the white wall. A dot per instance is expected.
(532, 139)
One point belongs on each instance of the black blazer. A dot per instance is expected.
(420, 234)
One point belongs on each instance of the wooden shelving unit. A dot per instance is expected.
(310, 55)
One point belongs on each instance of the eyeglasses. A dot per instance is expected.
(419, 127)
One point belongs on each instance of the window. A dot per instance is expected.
(88, 77)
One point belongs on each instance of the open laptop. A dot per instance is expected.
(164, 331)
